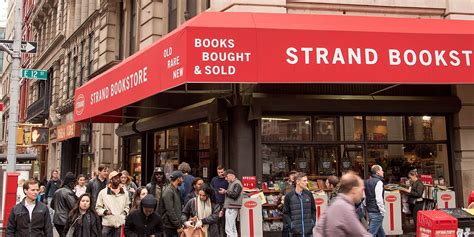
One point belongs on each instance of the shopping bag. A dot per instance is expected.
(191, 232)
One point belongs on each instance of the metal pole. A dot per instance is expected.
(14, 88)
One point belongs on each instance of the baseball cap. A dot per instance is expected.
(176, 174)
(113, 174)
(158, 169)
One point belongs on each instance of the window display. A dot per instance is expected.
(395, 142)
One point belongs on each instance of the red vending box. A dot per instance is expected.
(436, 224)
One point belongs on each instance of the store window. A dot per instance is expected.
(337, 144)
(286, 128)
(384, 128)
(426, 128)
(352, 128)
(191, 143)
(135, 158)
(326, 129)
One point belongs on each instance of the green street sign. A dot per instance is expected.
(34, 74)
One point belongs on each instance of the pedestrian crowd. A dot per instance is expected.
(111, 204)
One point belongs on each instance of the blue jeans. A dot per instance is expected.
(375, 225)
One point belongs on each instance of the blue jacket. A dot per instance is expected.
(186, 187)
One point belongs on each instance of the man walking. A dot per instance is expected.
(170, 205)
(232, 202)
(299, 209)
(63, 202)
(340, 219)
(374, 201)
(98, 183)
(113, 205)
(144, 221)
(156, 186)
(30, 217)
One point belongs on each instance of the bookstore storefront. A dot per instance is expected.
(261, 126)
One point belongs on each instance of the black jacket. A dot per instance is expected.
(52, 186)
(300, 212)
(170, 208)
(88, 225)
(19, 223)
(137, 224)
(63, 202)
(94, 187)
(190, 210)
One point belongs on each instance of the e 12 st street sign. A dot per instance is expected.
(34, 74)
(26, 47)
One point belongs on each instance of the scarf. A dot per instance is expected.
(203, 209)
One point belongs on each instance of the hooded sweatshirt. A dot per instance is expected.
(137, 224)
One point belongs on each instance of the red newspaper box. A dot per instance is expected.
(436, 224)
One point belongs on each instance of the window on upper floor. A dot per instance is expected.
(133, 27)
(91, 53)
(172, 15)
(82, 78)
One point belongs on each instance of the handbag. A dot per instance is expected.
(191, 232)
(70, 232)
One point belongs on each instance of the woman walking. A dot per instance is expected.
(202, 212)
(83, 220)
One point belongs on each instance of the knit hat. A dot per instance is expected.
(175, 175)
(149, 201)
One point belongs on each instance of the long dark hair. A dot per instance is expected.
(75, 212)
(136, 197)
(208, 191)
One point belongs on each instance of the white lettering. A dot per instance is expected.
(468, 59)
(368, 59)
(406, 54)
(321, 53)
(356, 56)
(306, 54)
(428, 60)
(454, 58)
(214, 43)
(439, 57)
(338, 56)
(394, 57)
(291, 53)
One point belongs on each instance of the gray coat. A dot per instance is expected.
(212, 220)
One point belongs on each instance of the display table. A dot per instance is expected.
(392, 221)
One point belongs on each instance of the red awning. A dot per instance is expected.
(217, 47)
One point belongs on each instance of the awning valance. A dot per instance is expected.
(217, 47)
